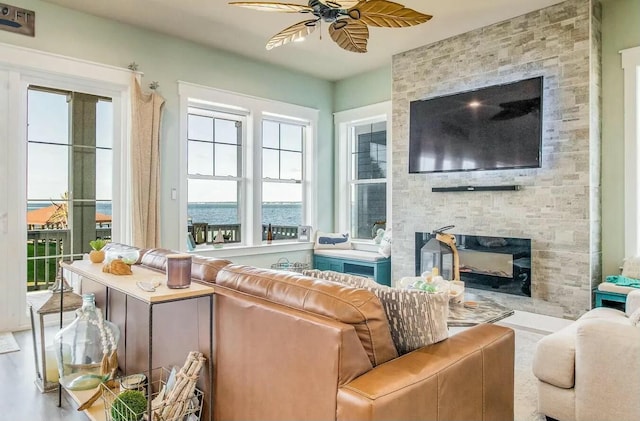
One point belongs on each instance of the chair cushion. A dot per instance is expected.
(611, 287)
(416, 318)
(357, 307)
(367, 256)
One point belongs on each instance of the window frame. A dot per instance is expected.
(344, 121)
(255, 110)
(631, 68)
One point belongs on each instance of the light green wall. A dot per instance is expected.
(620, 30)
(167, 59)
(363, 89)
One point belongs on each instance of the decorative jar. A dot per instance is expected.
(81, 347)
(128, 255)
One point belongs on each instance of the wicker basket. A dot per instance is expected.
(191, 409)
(283, 264)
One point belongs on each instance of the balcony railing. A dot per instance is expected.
(45, 248)
(204, 233)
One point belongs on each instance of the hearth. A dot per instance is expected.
(499, 264)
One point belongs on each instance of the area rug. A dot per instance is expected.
(526, 391)
(8, 343)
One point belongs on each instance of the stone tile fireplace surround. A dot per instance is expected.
(558, 205)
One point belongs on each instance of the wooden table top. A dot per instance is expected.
(127, 283)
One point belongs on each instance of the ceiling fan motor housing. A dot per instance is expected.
(325, 12)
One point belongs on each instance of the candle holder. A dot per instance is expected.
(178, 270)
(60, 300)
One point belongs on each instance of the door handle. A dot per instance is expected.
(4, 226)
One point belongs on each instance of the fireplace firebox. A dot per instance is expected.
(500, 264)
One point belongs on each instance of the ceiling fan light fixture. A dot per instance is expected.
(349, 20)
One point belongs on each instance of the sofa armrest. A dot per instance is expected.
(633, 302)
(468, 376)
(607, 371)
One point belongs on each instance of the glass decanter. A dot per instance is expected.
(81, 347)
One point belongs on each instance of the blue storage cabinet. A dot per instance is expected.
(604, 297)
(379, 270)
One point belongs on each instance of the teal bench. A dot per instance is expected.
(617, 297)
(355, 262)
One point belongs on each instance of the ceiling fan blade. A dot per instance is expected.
(352, 35)
(272, 6)
(388, 14)
(292, 33)
(344, 4)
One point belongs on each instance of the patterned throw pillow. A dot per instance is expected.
(341, 278)
(332, 240)
(416, 318)
(631, 267)
(385, 243)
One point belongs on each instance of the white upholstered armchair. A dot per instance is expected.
(590, 370)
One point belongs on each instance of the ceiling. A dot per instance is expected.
(243, 31)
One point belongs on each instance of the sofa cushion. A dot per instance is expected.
(357, 307)
(416, 318)
(206, 268)
(156, 259)
(203, 269)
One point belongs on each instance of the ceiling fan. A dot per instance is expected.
(349, 20)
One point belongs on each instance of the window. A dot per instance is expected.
(282, 169)
(248, 163)
(364, 198)
(368, 184)
(631, 66)
(214, 172)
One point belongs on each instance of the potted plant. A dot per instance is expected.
(129, 406)
(97, 254)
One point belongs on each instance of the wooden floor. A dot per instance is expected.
(20, 399)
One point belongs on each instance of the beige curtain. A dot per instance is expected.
(145, 165)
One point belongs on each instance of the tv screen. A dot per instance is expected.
(497, 127)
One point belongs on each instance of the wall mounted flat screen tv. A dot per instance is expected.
(497, 127)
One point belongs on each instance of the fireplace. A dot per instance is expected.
(499, 264)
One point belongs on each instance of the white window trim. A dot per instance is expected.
(256, 109)
(631, 68)
(28, 66)
(342, 121)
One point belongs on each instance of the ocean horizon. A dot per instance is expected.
(225, 213)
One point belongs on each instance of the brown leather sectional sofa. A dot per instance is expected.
(291, 347)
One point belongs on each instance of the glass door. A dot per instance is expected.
(69, 178)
